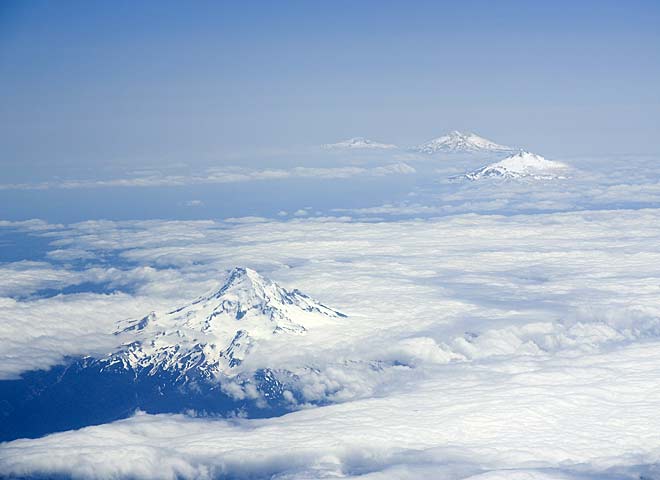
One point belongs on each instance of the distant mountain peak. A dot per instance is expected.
(358, 143)
(521, 165)
(457, 142)
(216, 332)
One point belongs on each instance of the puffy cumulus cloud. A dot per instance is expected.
(572, 417)
(71, 254)
(25, 277)
(420, 351)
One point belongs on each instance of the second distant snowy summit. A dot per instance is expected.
(358, 143)
(458, 142)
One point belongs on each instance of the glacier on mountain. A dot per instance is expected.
(521, 165)
(214, 333)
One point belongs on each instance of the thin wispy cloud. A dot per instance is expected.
(220, 176)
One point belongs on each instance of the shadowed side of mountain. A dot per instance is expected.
(86, 392)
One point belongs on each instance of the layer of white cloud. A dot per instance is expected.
(474, 343)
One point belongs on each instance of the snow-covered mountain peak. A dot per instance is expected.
(217, 331)
(358, 143)
(456, 142)
(245, 283)
(521, 165)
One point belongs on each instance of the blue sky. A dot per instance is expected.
(98, 83)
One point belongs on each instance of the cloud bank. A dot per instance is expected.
(477, 346)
